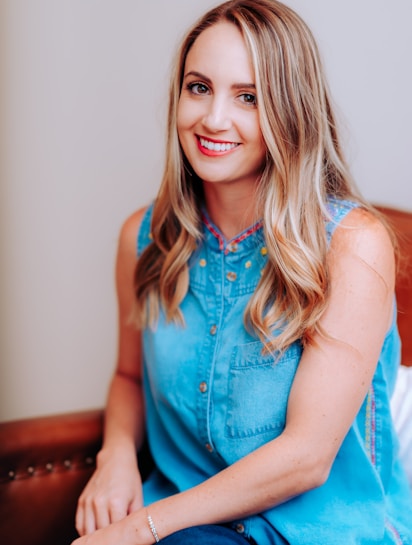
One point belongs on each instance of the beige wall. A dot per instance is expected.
(82, 102)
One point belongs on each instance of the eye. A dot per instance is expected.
(198, 88)
(248, 98)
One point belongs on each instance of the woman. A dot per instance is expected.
(266, 347)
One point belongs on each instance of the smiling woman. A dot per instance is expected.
(265, 348)
(82, 136)
(238, 281)
(218, 120)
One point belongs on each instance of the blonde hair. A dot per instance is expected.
(304, 165)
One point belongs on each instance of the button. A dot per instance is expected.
(203, 262)
(248, 264)
(264, 250)
(203, 387)
(231, 276)
(209, 447)
(233, 247)
(213, 329)
(240, 529)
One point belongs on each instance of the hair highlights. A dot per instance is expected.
(304, 165)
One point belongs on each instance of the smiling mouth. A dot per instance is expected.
(216, 146)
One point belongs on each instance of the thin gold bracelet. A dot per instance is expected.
(152, 528)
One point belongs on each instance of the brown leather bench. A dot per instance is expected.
(45, 462)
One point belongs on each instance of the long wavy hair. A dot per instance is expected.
(304, 166)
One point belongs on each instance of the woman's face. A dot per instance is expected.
(217, 118)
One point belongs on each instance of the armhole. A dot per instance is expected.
(144, 236)
(338, 209)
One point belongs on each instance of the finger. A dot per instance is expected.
(84, 517)
(118, 510)
(136, 504)
(101, 514)
(89, 520)
(79, 520)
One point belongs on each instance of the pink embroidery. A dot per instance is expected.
(373, 428)
(394, 531)
(238, 239)
(370, 425)
(214, 232)
(246, 234)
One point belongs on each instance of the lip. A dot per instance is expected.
(214, 152)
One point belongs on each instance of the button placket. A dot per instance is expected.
(203, 387)
(229, 273)
(231, 276)
(206, 365)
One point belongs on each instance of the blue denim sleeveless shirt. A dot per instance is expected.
(212, 398)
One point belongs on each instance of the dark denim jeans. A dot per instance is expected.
(206, 535)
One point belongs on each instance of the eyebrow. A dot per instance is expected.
(209, 81)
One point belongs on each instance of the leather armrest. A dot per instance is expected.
(44, 465)
(401, 223)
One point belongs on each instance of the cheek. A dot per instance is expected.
(179, 118)
(183, 127)
(262, 145)
(256, 138)
(260, 152)
(180, 126)
(185, 115)
(249, 128)
(260, 141)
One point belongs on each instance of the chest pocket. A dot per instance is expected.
(258, 391)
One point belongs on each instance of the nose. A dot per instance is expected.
(217, 116)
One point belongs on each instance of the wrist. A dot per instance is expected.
(164, 517)
(141, 530)
(152, 527)
(118, 453)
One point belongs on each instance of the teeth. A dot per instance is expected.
(214, 146)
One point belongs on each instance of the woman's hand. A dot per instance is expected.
(107, 536)
(132, 530)
(114, 491)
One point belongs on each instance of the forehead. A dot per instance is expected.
(220, 52)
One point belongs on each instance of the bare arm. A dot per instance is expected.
(329, 388)
(115, 488)
(330, 385)
(124, 423)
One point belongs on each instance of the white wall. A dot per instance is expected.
(367, 48)
(82, 103)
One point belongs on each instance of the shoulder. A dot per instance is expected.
(362, 238)
(127, 257)
(130, 229)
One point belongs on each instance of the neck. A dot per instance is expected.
(230, 208)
